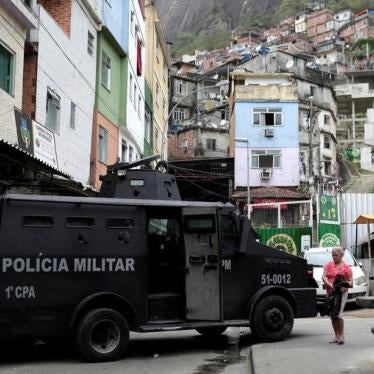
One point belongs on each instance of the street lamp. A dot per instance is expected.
(246, 141)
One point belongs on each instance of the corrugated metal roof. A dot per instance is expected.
(8, 146)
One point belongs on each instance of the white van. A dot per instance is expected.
(319, 257)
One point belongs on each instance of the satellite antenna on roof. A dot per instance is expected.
(290, 64)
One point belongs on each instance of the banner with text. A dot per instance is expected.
(329, 209)
(36, 139)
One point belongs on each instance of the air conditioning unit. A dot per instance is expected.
(269, 133)
(266, 174)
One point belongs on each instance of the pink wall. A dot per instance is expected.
(287, 175)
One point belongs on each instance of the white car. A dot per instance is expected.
(319, 257)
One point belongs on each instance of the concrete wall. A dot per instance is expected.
(65, 67)
(157, 75)
(12, 37)
(134, 131)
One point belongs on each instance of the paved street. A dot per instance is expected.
(306, 351)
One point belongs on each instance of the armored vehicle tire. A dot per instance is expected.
(211, 331)
(272, 319)
(102, 335)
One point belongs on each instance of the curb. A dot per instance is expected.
(365, 302)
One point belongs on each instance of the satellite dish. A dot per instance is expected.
(215, 76)
(290, 64)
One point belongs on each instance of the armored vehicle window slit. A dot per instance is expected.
(119, 223)
(38, 221)
(200, 224)
(79, 222)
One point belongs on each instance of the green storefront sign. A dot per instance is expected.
(353, 154)
(329, 209)
(291, 240)
(328, 235)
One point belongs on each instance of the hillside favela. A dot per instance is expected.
(186, 187)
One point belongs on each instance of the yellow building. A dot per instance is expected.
(157, 70)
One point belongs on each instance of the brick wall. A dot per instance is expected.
(60, 11)
(30, 71)
(182, 146)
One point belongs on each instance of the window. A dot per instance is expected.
(147, 127)
(105, 70)
(156, 136)
(140, 107)
(157, 49)
(135, 95)
(157, 93)
(131, 153)
(6, 70)
(326, 119)
(211, 144)
(119, 223)
(124, 151)
(326, 142)
(200, 224)
(267, 117)
(131, 87)
(313, 91)
(229, 232)
(37, 221)
(178, 114)
(90, 44)
(180, 87)
(103, 144)
(165, 71)
(76, 222)
(73, 108)
(266, 159)
(53, 111)
(132, 22)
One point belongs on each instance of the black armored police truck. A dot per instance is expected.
(138, 258)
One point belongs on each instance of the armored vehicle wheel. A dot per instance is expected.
(211, 331)
(272, 319)
(102, 335)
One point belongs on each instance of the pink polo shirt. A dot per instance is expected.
(331, 271)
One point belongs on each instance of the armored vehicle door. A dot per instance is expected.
(203, 262)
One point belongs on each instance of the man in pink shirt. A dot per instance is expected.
(337, 277)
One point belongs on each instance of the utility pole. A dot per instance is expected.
(310, 135)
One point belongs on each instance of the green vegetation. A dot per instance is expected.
(363, 48)
(187, 42)
(356, 5)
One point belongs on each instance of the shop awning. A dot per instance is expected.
(367, 218)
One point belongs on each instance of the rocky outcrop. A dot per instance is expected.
(209, 15)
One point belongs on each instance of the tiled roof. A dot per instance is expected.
(272, 192)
